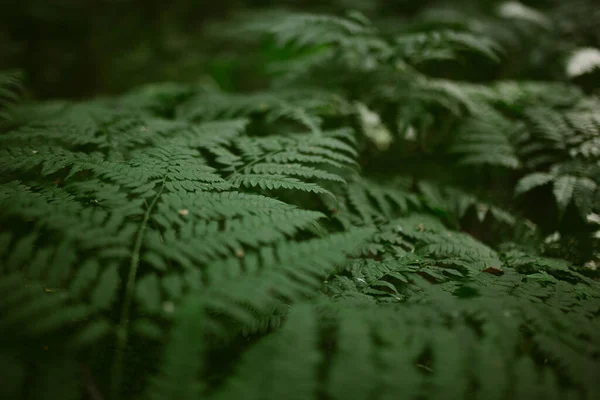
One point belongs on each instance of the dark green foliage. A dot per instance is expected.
(361, 228)
(10, 88)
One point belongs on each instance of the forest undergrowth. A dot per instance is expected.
(379, 220)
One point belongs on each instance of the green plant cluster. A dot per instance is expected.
(369, 225)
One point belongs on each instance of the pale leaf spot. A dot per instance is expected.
(169, 307)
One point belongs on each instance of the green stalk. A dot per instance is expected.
(122, 333)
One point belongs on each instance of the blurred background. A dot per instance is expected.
(84, 48)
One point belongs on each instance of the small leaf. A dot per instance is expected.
(105, 292)
(493, 271)
(532, 181)
(385, 284)
(92, 333)
(84, 278)
(563, 191)
(147, 293)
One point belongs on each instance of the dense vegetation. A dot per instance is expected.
(374, 204)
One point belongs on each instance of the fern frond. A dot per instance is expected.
(209, 135)
(160, 99)
(296, 170)
(231, 238)
(518, 94)
(304, 29)
(457, 246)
(456, 204)
(96, 124)
(10, 89)
(219, 205)
(284, 106)
(419, 47)
(532, 181)
(485, 139)
(371, 200)
(272, 182)
(32, 311)
(290, 272)
(50, 158)
(566, 189)
(299, 368)
(179, 377)
(278, 162)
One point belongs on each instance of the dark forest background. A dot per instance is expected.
(79, 49)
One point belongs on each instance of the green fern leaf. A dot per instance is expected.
(564, 187)
(179, 377)
(105, 293)
(279, 372)
(532, 181)
(272, 182)
(295, 170)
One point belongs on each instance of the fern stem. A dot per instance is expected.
(122, 329)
